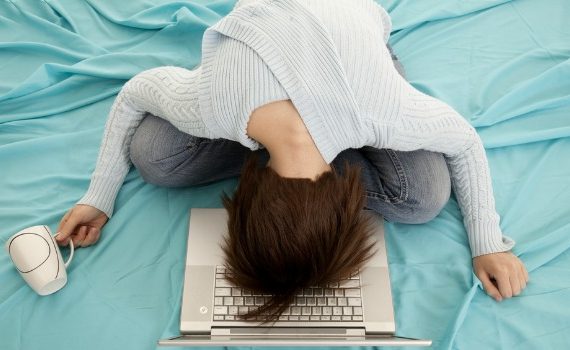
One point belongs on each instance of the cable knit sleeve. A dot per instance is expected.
(430, 124)
(385, 20)
(166, 92)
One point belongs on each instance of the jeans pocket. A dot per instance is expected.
(178, 152)
(391, 184)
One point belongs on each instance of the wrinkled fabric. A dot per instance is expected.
(504, 65)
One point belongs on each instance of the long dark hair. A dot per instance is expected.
(285, 234)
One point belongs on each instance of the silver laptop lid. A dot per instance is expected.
(206, 229)
(208, 225)
(299, 340)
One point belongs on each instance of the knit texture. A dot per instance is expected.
(321, 55)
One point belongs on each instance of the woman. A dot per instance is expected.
(312, 83)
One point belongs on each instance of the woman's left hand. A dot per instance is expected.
(503, 274)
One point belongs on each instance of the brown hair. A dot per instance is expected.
(285, 234)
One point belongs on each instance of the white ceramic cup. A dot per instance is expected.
(37, 257)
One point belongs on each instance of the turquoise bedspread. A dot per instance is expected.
(503, 64)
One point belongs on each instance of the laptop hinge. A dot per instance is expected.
(284, 331)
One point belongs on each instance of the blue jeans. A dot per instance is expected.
(407, 187)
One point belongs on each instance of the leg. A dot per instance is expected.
(168, 157)
(407, 187)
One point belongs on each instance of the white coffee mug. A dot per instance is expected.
(37, 257)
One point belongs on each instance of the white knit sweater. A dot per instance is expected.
(329, 57)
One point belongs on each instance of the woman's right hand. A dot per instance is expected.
(82, 224)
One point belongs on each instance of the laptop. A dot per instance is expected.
(354, 312)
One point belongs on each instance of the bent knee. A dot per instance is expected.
(433, 199)
(163, 155)
(419, 212)
(428, 208)
(142, 152)
(428, 193)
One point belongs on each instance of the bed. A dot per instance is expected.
(504, 65)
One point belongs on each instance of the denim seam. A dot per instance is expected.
(191, 147)
(403, 196)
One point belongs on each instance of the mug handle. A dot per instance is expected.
(72, 250)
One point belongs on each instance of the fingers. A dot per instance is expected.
(511, 280)
(67, 227)
(508, 272)
(518, 276)
(92, 236)
(83, 236)
(63, 241)
(63, 220)
(522, 276)
(489, 286)
(524, 272)
(504, 284)
(82, 225)
(515, 282)
(79, 237)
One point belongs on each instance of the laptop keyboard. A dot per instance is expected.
(333, 302)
